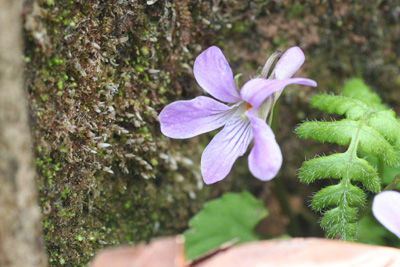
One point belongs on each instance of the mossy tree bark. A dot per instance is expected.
(21, 241)
(98, 73)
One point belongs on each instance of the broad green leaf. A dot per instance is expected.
(340, 165)
(233, 217)
(357, 89)
(341, 132)
(333, 195)
(353, 109)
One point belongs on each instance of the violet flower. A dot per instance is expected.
(386, 209)
(243, 120)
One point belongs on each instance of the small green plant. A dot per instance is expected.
(229, 220)
(369, 129)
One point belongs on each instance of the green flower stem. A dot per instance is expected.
(380, 167)
(279, 188)
(393, 183)
(273, 118)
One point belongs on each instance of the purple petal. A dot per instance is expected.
(386, 210)
(214, 75)
(265, 159)
(289, 63)
(229, 144)
(257, 90)
(185, 119)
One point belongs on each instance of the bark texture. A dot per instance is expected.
(20, 224)
(99, 72)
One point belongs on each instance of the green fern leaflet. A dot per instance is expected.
(369, 128)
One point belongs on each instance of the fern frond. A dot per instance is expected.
(345, 231)
(357, 89)
(340, 222)
(353, 109)
(340, 165)
(385, 123)
(341, 132)
(333, 195)
(337, 215)
(369, 128)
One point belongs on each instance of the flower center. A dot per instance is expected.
(248, 106)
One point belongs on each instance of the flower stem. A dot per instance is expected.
(279, 189)
(393, 183)
(273, 118)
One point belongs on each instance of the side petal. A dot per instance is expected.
(214, 75)
(257, 90)
(185, 119)
(265, 159)
(229, 144)
(386, 210)
(289, 63)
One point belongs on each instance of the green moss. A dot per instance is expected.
(144, 50)
(94, 197)
(139, 68)
(88, 84)
(60, 85)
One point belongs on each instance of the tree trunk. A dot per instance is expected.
(99, 72)
(20, 226)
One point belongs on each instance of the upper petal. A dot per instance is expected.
(257, 90)
(265, 159)
(289, 63)
(214, 75)
(386, 210)
(229, 144)
(185, 119)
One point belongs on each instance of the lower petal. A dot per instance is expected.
(257, 90)
(229, 144)
(386, 210)
(185, 119)
(265, 159)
